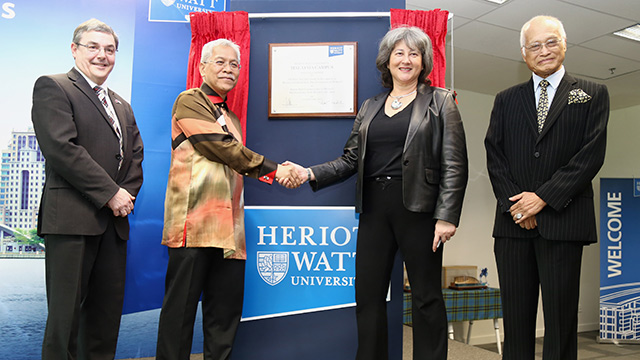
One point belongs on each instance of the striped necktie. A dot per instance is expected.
(111, 116)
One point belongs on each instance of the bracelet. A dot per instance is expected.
(308, 174)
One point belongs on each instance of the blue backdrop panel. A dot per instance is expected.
(310, 141)
(307, 141)
(159, 75)
(619, 267)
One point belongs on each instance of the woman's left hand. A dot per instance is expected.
(443, 233)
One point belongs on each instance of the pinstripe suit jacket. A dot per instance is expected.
(557, 164)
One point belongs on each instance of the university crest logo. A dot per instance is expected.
(273, 266)
(168, 2)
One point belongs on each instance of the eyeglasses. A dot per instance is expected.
(222, 64)
(95, 48)
(536, 47)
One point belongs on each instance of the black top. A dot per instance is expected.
(385, 142)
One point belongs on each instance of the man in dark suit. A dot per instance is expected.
(93, 153)
(545, 143)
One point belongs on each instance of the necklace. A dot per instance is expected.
(395, 105)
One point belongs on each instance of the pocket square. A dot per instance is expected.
(578, 96)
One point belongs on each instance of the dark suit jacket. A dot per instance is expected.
(81, 151)
(558, 164)
(434, 159)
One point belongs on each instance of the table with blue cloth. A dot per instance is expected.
(473, 304)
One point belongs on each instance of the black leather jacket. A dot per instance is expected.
(434, 159)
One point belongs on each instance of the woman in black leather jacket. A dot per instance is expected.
(408, 149)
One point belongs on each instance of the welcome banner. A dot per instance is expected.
(619, 267)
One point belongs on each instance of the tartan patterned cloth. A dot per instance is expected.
(464, 305)
(478, 304)
(406, 310)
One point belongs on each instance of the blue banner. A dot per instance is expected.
(619, 267)
(178, 10)
(299, 259)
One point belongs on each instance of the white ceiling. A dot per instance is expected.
(486, 42)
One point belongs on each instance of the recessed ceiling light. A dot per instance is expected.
(632, 32)
(499, 2)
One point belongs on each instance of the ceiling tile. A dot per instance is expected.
(470, 9)
(622, 8)
(615, 45)
(596, 64)
(488, 39)
(457, 22)
(580, 24)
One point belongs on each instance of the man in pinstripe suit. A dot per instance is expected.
(545, 143)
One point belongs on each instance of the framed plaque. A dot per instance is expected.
(313, 79)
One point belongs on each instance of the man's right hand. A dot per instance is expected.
(287, 176)
(301, 173)
(121, 203)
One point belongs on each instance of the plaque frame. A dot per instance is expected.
(302, 63)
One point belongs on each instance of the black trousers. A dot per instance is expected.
(386, 226)
(85, 278)
(192, 272)
(524, 267)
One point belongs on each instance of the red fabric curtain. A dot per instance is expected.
(434, 24)
(234, 26)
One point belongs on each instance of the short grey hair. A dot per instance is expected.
(93, 25)
(207, 49)
(414, 38)
(526, 26)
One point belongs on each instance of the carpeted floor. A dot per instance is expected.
(588, 349)
(457, 350)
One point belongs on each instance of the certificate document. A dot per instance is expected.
(313, 80)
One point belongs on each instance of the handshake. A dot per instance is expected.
(292, 175)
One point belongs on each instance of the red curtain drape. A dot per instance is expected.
(234, 26)
(434, 24)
